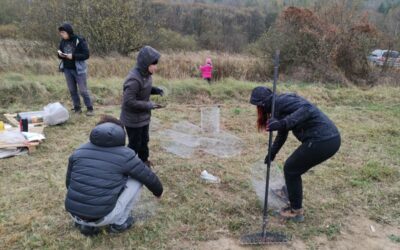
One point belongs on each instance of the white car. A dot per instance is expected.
(378, 58)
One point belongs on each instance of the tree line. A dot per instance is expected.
(325, 40)
(219, 25)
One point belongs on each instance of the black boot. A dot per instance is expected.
(88, 230)
(122, 228)
(90, 111)
(77, 110)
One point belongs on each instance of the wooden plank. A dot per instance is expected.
(32, 148)
(12, 119)
(37, 127)
(13, 145)
(19, 145)
(30, 145)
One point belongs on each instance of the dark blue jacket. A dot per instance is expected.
(98, 172)
(305, 120)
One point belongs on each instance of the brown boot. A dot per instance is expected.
(295, 215)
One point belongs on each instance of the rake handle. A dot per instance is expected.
(265, 212)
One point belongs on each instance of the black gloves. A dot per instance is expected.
(156, 106)
(272, 158)
(157, 91)
(274, 125)
(280, 125)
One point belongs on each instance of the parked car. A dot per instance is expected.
(379, 57)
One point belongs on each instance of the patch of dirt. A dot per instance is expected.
(362, 233)
(357, 233)
(222, 244)
(233, 244)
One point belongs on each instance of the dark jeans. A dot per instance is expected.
(75, 81)
(305, 157)
(208, 80)
(139, 140)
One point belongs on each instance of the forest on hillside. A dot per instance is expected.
(329, 40)
(223, 25)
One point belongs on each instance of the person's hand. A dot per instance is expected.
(148, 163)
(274, 124)
(60, 54)
(266, 158)
(158, 106)
(159, 91)
(68, 56)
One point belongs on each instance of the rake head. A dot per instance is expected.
(269, 238)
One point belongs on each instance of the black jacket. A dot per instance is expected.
(98, 171)
(75, 45)
(305, 120)
(138, 86)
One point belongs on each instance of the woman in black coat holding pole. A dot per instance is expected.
(318, 134)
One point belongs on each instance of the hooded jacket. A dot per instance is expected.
(305, 120)
(206, 70)
(75, 45)
(98, 171)
(138, 86)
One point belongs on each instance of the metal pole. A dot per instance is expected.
(265, 215)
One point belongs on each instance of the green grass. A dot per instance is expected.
(19, 91)
(394, 238)
(374, 172)
(361, 180)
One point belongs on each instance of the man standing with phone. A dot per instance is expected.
(74, 51)
(136, 104)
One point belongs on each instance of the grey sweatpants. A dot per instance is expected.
(122, 209)
(75, 82)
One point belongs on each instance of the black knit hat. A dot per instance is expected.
(260, 95)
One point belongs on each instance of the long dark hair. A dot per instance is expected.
(262, 118)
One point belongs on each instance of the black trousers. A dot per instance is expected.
(303, 158)
(139, 141)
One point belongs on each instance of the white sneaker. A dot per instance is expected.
(209, 177)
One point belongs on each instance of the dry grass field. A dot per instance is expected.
(344, 196)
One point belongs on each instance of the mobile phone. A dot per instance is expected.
(61, 53)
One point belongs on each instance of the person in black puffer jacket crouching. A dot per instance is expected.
(104, 180)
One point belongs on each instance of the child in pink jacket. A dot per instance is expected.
(206, 70)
